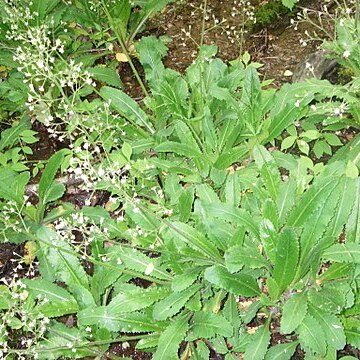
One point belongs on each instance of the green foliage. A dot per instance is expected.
(208, 238)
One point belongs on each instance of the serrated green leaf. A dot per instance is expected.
(269, 238)
(232, 214)
(106, 75)
(287, 256)
(119, 313)
(315, 197)
(336, 271)
(179, 149)
(172, 304)
(311, 336)
(331, 325)
(237, 257)
(151, 51)
(58, 301)
(10, 136)
(353, 223)
(269, 172)
(184, 280)
(186, 200)
(136, 260)
(171, 339)
(344, 253)
(343, 208)
(137, 299)
(329, 297)
(258, 344)
(207, 325)
(286, 198)
(294, 311)
(281, 351)
(195, 239)
(57, 259)
(237, 284)
(353, 336)
(126, 107)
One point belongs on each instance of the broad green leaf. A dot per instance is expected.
(172, 304)
(12, 185)
(171, 339)
(233, 189)
(237, 257)
(207, 325)
(58, 338)
(294, 311)
(136, 260)
(343, 208)
(48, 176)
(289, 3)
(287, 256)
(313, 234)
(329, 297)
(151, 51)
(353, 223)
(137, 299)
(237, 284)
(229, 157)
(83, 297)
(269, 172)
(206, 194)
(56, 191)
(120, 314)
(10, 136)
(57, 259)
(184, 280)
(126, 107)
(344, 253)
(312, 336)
(258, 344)
(106, 75)
(53, 300)
(288, 142)
(194, 239)
(186, 200)
(269, 238)
(171, 93)
(231, 313)
(5, 298)
(179, 149)
(315, 197)
(336, 271)
(281, 351)
(233, 214)
(332, 327)
(353, 337)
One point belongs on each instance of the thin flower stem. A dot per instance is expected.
(203, 24)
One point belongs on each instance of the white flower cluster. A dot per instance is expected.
(22, 315)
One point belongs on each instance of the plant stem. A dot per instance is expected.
(124, 49)
(203, 24)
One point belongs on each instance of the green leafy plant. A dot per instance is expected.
(208, 240)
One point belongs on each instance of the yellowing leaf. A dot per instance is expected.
(30, 249)
(121, 57)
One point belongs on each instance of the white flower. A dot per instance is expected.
(149, 269)
(346, 54)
